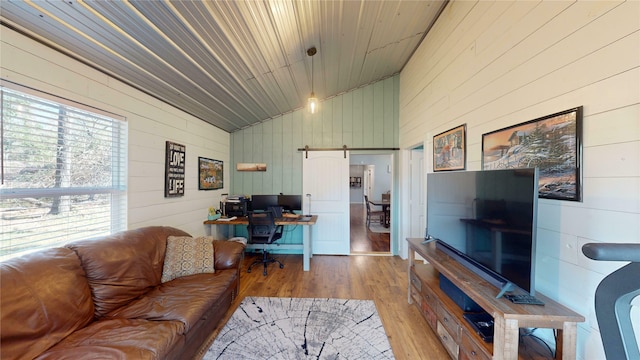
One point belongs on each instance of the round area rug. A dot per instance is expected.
(299, 328)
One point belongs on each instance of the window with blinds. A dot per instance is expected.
(63, 172)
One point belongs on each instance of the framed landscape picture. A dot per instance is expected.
(449, 149)
(210, 174)
(552, 143)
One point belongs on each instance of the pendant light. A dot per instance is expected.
(313, 100)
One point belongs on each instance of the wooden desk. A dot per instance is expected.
(508, 317)
(385, 208)
(306, 233)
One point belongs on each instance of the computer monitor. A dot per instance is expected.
(263, 202)
(290, 202)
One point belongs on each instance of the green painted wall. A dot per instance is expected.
(364, 117)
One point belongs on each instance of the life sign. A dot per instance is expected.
(174, 170)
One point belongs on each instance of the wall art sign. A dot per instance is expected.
(210, 174)
(174, 170)
(552, 143)
(450, 149)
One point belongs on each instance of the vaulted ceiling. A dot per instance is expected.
(232, 63)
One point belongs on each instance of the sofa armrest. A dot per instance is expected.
(227, 254)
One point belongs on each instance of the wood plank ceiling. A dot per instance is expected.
(232, 63)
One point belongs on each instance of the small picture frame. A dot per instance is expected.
(210, 174)
(450, 149)
(552, 143)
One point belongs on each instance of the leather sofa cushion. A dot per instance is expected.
(123, 266)
(184, 299)
(233, 254)
(44, 297)
(120, 339)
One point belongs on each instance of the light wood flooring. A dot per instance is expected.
(382, 279)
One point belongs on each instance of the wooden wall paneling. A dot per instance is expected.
(340, 121)
(277, 178)
(269, 186)
(358, 118)
(423, 63)
(288, 165)
(368, 117)
(316, 127)
(537, 58)
(247, 156)
(337, 121)
(326, 132)
(347, 119)
(389, 135)
(378, 113)
(294, 155)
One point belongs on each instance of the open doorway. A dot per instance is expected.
(370, 175)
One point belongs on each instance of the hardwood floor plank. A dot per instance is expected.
(382, 279)
(363, 240)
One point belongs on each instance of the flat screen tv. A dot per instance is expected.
(487, 221)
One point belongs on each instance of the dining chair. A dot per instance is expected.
(376, 216)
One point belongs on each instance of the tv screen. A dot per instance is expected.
(290, 202)
(263, 202)
(487, 221)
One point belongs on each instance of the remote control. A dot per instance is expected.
(524, 299)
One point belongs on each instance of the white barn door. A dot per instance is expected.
(325, 176)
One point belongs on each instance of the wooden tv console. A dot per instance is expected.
(458, 337)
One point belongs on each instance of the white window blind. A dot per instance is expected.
(63, 172)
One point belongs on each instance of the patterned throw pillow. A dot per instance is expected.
(187, 256)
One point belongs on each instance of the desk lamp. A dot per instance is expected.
(308, 205)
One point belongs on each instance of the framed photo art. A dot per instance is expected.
(210, 174)
(450, 149)
(552, 143)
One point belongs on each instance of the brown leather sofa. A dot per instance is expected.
(103, 299)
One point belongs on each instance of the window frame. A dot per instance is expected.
(116, 191)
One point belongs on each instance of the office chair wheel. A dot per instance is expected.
(248, 270)
(281, 266)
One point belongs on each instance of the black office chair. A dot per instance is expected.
(262, 229)
(613, 298)
(373, 215)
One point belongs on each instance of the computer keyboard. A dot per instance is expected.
(525, 299)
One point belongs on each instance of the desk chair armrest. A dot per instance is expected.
(612, 251)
